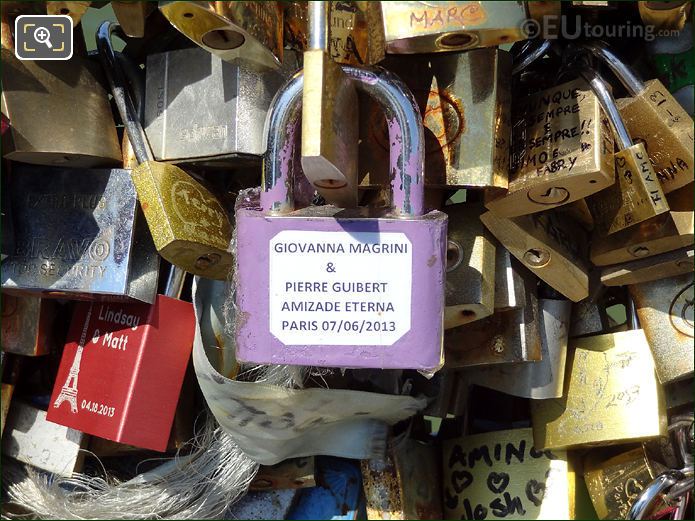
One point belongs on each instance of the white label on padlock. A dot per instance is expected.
(340, 288)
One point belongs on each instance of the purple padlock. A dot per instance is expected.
(326, 286)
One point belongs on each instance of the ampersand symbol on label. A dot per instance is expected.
(330, 268)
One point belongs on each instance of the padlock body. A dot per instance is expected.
(27, 325)
(76, 127)
(424, 27)
(199, 108)
(562, 151)
(313, 291)
(656, 119)
(126, 379)
(78, 233)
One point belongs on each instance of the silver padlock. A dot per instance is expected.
(199, 108)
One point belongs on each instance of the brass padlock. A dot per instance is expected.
(464, 100)
(231, 30)
(636, 195)
(510, 286)
(549, 245)
(423, 27)
(653, 117)
(661, 266)
(329, 125)
(666, 232)
(665, 15)
(74, 9)
(189, 226)
(611, 394)
(394, 488)
(27, 325)
(615, 483)
(562, 151)
(540, 379)
(665, 310)
(470, 266)
(502, 475)
(33, 440)
(506, 336)
(131, 15)
(81, 133)
(356, 34)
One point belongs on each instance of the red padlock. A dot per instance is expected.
(122, 368)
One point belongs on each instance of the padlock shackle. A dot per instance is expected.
(531, 50)
(124, 102)
(632, 83)
(406, 136)
(317, 37)
(605, 98)
(652, 493)
(174, 284)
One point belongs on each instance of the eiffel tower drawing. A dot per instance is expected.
(69, 391)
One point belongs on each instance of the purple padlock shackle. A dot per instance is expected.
(406, 138)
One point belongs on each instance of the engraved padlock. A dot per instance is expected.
(615, 483)
(663, 233)
(561, 151)
(27, 325)
(501, 474)
(470, 266)
(636, 195)
(465, 103)
(81, 133)
(611, 394)
(665, 265)
(231, 30)
(540, 379)
(32, 439)
(329, 125)
(356, 35)
(114, 378)
(550, 245)
(424, 27)
(198, 108)
(507, 336)
(189, 226)
(335, 314)
(665, 310)
(653, 117)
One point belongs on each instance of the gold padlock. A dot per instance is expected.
(423, 27)
(662, 266)
(615, 483)
(505, 336)
(82, 133)
(636, 195)
(329, 128)
(665, 15)
(562, 151)
(502, 475)
(666, 232)
(611, 395)
(356, 31)
(653, 117)
(464, 99)
(131, 15)
(665, 310)
(549, 245)
(231, 30)
(470, 266)
(189, 226)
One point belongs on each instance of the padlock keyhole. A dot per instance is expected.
(223, 39)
